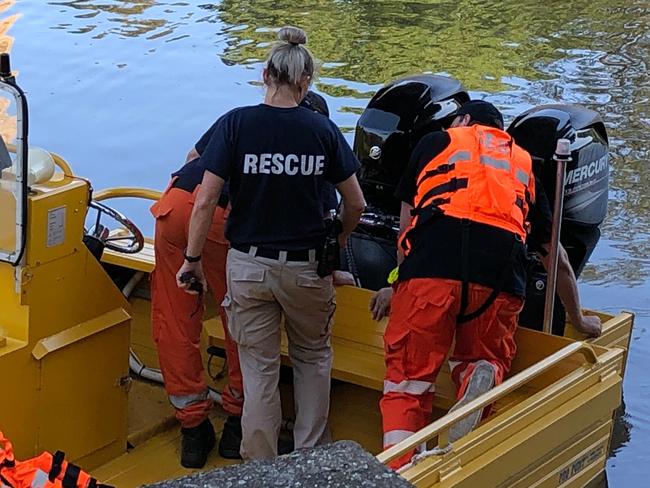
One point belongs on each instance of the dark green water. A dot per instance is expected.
(123, 89)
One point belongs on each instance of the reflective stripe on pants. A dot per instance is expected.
(393, 437)
(420, 331)
(409, 386)
(185, 401)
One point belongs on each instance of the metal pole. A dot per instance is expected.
(562, 157)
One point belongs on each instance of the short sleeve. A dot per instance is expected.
(540, 218)
(217, 157)
(343, 162)
(205, 138)
(428, 148)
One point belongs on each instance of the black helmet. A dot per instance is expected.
(395, 119)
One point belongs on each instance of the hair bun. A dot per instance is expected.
(292, 35)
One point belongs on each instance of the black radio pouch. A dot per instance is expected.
(329, 258)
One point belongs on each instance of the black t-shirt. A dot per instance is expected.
(496, 257)
(277, 161)
(190, 175)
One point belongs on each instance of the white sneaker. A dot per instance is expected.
(482, 381)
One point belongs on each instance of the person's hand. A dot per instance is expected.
(340, 278)
(380, 303)
(590, 325)
(196, 270)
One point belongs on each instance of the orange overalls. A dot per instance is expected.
(177, 316)
(482, 176)
(43, 471)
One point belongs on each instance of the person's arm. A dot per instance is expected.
(404, 222)
(352, 206)
(200, 222)
(567, 289)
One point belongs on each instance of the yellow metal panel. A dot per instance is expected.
(14, 315)
(79, 332)
(66, 292)
(19, 386)
(83, 395)
(617, 332)
(511, 446)
(9, 345)
(142, 261)
(70, 198)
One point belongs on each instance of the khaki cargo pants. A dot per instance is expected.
(260, 292)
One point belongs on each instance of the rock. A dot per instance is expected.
(342, 464)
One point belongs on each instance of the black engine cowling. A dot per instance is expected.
(585, 193)
(393, 122)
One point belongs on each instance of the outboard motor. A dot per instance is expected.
(585, 193)
(395, 119)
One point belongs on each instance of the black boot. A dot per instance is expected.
(285, 445)
(230, 438)
(196, 444)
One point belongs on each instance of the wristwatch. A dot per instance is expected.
(191, 259)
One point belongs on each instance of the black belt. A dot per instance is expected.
(263, 252)
(189, 185)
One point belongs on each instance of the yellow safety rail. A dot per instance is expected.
(441, 427)
(58, 160)
(127, 192)
(62, 164)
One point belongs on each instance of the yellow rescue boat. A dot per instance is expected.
(70, 322)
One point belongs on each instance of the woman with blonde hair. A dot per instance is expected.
(277, 156)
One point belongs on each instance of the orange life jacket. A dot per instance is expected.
(43, 471)
(482, 176)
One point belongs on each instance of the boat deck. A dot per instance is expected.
(154, 435)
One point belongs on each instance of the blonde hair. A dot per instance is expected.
(289, 61)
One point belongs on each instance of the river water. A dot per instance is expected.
(122, 89)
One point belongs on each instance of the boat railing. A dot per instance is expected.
(441, 427)
(58, 160)
(127, 192)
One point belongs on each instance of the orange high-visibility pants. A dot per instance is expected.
(177, 316)
(420, 332)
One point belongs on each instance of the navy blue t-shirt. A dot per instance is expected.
(190, 175)
(277, 161)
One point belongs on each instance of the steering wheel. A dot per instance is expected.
(128, 239)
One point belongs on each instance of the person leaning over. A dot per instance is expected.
(277, 157)
(466, 197)
(177, 318)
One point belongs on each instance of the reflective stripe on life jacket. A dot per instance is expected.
(481, 176)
